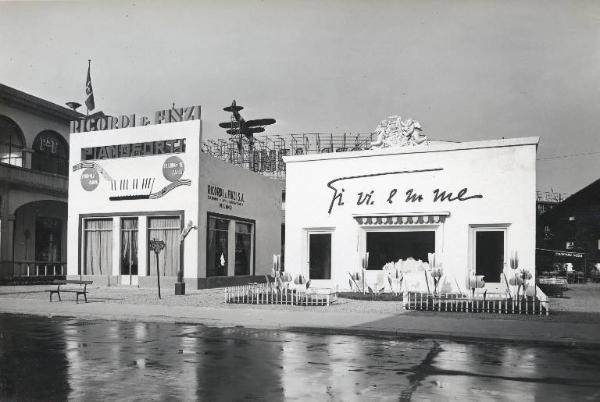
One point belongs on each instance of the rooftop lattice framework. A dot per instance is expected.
(265, 153)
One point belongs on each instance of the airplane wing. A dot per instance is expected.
(229, 125)
(251, 130)
(259, 122)
(246, 131)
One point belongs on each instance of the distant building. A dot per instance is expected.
(546, 200)
(34, 157)
(570, 232)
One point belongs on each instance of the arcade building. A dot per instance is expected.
(34, 158)
(150, 182)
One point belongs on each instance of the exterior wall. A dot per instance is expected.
(97, 202)
(262, 204)
(503, 172)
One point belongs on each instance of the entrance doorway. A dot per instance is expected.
(129, 249)
(48, 235)
(384, 247)
(319, 255)
(489, 254)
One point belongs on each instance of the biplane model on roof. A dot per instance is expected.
(238, 125)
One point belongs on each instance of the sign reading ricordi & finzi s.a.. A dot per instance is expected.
(226, 198)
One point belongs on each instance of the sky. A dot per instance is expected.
(466, 70)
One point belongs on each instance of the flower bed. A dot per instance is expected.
(371, 296)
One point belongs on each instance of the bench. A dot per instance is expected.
(78, 291)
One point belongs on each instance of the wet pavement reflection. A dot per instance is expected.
(60, 358)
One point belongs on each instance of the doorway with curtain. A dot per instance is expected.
(129, 249)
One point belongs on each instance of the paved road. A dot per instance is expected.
(441, 325)
(63, 358)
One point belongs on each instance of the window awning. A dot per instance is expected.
(402, 219)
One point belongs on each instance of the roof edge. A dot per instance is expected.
(461, 146)
(24, 99)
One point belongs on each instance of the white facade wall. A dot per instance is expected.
(97, 202)
(259, 201)
(503, 172)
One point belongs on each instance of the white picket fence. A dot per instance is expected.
(499, 304)
(262, 293)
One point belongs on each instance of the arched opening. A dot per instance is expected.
(40, 239)
(12, 142)
(50, 153)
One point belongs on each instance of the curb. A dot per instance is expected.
(349, 331)
(414, 335)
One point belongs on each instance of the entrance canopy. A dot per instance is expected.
(417, 218)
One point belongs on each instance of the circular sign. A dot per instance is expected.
(90, 179)
(173, 168)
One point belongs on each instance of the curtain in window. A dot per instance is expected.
(166, 229)
(129, 243)
(243, 248)
(97, 247)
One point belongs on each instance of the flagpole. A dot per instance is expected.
(87, 109)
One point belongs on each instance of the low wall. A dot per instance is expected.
(168, 282)
(222, 281)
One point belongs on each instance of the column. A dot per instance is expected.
(142, 245)
(27, 157)
(116, 247)
(7, 228)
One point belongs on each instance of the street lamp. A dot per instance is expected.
(180, 285)
(73, 105)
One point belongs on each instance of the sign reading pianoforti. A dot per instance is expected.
(101, 123)
(174, 146)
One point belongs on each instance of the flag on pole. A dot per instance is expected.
(89, 100)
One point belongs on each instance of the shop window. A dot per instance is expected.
(384, 247)
(319, 255)
(217, 250)
(129, 246)
(243, 248)
(97, 247)
(167, 229)
(50, 153)
(11, 142)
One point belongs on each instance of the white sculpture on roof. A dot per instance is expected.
(395, 132)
